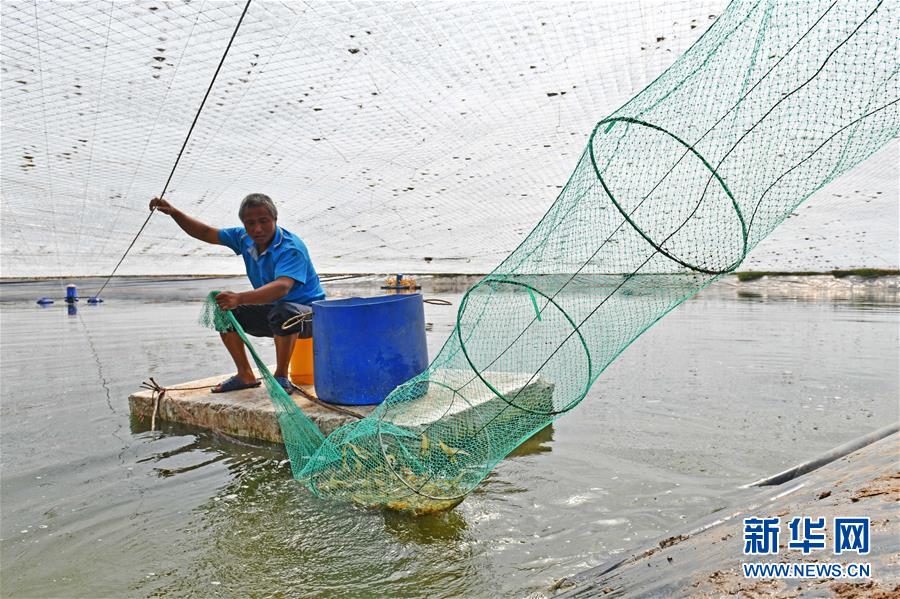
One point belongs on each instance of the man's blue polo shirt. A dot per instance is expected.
(286, 256)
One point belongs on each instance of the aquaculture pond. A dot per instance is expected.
(740, 382)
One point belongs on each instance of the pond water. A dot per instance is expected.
(740, 382)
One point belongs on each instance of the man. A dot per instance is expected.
(284, 282)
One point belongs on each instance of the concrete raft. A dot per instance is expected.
(249, 413)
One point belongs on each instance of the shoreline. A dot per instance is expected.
(742, 276)
(704, 560)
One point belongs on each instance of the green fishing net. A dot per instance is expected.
(300, 434)
(673, 190)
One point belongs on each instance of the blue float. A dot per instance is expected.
(364, 347)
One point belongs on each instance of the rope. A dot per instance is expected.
(327, 279)
(180, 152)
(437, 302)
(305, 317)
(327, 406)
(159, 393)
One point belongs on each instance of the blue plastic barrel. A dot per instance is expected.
(365, 346)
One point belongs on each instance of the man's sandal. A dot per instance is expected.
(286, 384)
(234, 384)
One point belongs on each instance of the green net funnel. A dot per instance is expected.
(673, 190)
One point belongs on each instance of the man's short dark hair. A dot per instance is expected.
(258, 199)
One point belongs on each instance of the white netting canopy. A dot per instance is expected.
(394, 136)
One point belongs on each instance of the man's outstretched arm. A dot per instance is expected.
(191, 226)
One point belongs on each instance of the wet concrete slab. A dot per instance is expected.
(250, 414)
(705, 560)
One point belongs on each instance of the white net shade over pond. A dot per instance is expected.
(672, 191)
(389, 133)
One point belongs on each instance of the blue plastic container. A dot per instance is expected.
(366, 346)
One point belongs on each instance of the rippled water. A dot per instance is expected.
(738, 383)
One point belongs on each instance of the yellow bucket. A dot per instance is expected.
(302, 362)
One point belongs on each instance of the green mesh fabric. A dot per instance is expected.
(301, 435)
(672, 191)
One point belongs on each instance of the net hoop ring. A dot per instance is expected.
(477, 371)
(608, 123)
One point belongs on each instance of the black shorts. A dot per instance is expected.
(266, 320)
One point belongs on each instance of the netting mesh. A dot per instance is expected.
(379, 128)
(672, 191)
(300, 434)
(386, 132)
